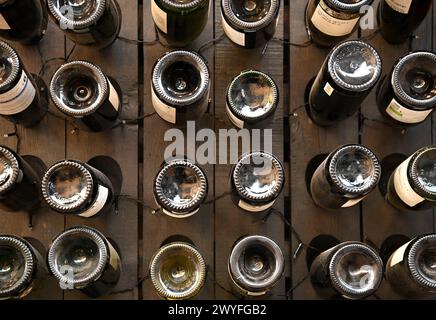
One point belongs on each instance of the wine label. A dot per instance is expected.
(234, 35)
(236, 121)
(4, 25)
(114, 99)
(352, 202)
(329, 25)
(405, 115)
(329, 89)
(403, 187)
(159, 17)
(248, 207)
(165, 111)
(19, 97)
(100, 201)
(114, 256)
(401, 6)
(398, 255)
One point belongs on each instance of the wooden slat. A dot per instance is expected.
(46, 141)
(119, 61)
(157, 228)
(232, 222)
(380, 220)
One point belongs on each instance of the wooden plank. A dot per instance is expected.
(307, 141)
(46, 141)
(119, 61)
(232, 222)
(380, 220)
(157, 228)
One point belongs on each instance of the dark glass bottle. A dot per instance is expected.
(252, 99)
(180, 188)
(179, 22)
(332, 21)
(95, 23)
(22, 267)
(23, 97)
(180, 84)
(407, 96)
(411, 269)
(83, 258)
(24, 21)
(74, 187)
(83, 92)
(256, 264)
(177, 271)
(257, 180)
(250, 23)
(19, 183)
(412, 186)
(345, 177)
(346, 78)
(399, 18)
(350, 270)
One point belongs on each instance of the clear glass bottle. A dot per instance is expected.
(177, 271)
(76, 188)
(252, 99)
(346, 78)
(332, 21)
(22, 267)
(398, 19)
(179, 22)
(412, 186)
(411, 269)
(81, 90)
(345, 178)
(257, 180)
(24, 21)
(180, 188)
(256, 264)
(83, 258)
(407, 96)
(250, 23)
(94, 23)
(350, 270)
(19, 183)
(180, 85)
(23, 97)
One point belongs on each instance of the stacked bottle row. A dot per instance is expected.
(247, 23)
(82, 258)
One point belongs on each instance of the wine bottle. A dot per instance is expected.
(180, 188)
(256, 264)
(250, 23)
(407, 96)
(23, 97)
(94, 23)
(411, 269)
(19, 182)
(412, 186)
(76, 188)
(83, 258)
(398, 19)
(345, 177)
(179, 22)
(252, 99)
(180, 87)
(81, 90)
(24, 21)
(346, 78)
(350, 270)
(177, 271)
(257, 180)
(22, 267)
(331, 21)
